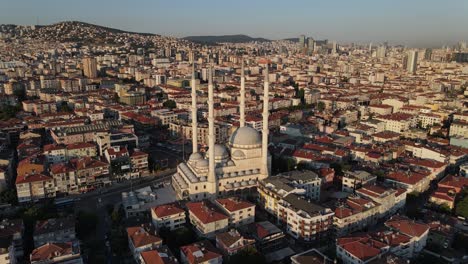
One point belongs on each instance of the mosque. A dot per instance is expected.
(225, 169)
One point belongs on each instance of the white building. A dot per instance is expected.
(240, 212)
(170, 216)
(225, 169)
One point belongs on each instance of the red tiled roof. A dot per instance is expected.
(167, 209)
(32, 178)
(233, 204)
(140, 237)
(407, 226)
(50, 251)
(200, 252)
(206, 212)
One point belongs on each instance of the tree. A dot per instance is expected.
(86, 224)
(462, 207)
(64, 107)
(177, 238)
(9, 111)
(9, 196)
(321, 106)
(171, 104)
(249, 255)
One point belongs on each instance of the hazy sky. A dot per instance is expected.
(409, 22)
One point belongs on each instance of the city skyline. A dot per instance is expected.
(415, 24)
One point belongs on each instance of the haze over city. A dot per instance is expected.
(418, 23)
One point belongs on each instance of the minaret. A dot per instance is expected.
(194, 112)
(266, 91)
(242, 97)
(211, 133)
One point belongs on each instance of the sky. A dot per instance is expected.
(424, 23)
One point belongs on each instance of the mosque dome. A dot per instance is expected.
(245, 137)
(238, 154)
(202, 163)
(220, 152)
(195, 157)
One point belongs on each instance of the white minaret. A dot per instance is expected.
(194, 112)
(211, 132)
(266, 91)
(242, 97)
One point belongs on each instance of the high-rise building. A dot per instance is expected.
(382, 51)
(89, 67)
(428, 54)
(412, 62)
(302, 39)
(310, 43)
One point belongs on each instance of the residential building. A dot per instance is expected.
(56, 230)
(57, 253)
(140, 239)
(239, 212)
(202, 252)
(231, 242)
(207, 218)
(170, 216)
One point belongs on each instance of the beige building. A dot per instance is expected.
(239, 212)
(170, 216)
(89, 67)
(207, 218)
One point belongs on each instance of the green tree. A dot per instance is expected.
(177, 238)
(462, 207)
(249, 255)
(321, 106)
(9, 196)
(86, 224)
(171, 104)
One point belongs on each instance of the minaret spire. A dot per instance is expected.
(242, 97)
(211, 133)
(266, 91)
(194, 112)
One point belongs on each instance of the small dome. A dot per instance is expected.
(202, 163)
(195, 156)
(238, 154)
(245, 137)
(220, 152)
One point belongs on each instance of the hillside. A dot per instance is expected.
(225, 38)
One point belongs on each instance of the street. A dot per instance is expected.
(97, 202)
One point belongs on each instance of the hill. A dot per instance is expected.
(225, 38)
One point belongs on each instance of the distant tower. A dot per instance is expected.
(302, 40)
(382, 51)
(412, 62)
(266, 113)
(89, 67)
(310, 43)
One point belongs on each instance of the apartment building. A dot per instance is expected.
(202, 252)
(355, 214)
(57, 230)
(207, 218)
(239, 212)
(232, 241)
(33, 187)
(353, 180)
(57, 253)
(170, 216)
(303, 219)
(140, 239)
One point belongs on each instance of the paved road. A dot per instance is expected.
(98, 200)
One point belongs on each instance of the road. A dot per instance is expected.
(97, 201)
